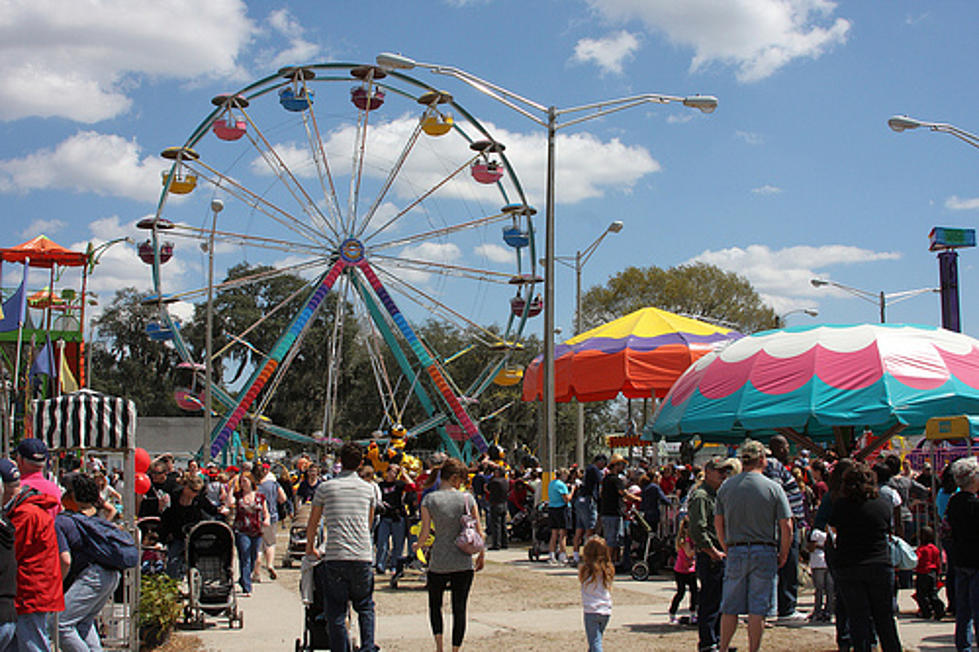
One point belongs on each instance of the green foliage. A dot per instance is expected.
(698, 290)
(159, 603)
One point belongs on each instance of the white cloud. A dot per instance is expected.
(105, 164)
(435, 252)
(679, 118)
(749, 137)
(782, 276)
(78, 60)
(587, 167)
(608, 53)
(954, 203)
(299, 50)
(767, 189)
(42, 227)
(756, 37)
(495, 253)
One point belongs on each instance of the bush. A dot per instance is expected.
(159, 608)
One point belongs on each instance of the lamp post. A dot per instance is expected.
(879, 298)
(216, 207)
(901, 123)
(576, 262)
(93, 256)
(547, 117)
(780, 319)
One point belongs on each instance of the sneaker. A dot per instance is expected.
(551, 561)
(794, 617)
(673, 620)
(273, 574)
(693, 619)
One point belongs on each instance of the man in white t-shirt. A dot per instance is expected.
(347, 505)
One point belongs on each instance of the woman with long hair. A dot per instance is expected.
(448, 566)
(862, 519)
(188, 507)
(251, 514)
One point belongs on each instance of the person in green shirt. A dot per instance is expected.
(710, 555)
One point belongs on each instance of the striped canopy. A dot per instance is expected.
(810, 379)
(86, 419)
(637, 355)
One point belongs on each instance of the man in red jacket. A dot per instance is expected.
(39, 591)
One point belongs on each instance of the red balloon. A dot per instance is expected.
(142, 460)
(142, 483)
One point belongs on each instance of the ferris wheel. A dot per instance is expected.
(369, 183)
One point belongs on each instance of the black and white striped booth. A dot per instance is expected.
(93, 422)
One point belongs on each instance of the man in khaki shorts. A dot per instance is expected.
(269, 487)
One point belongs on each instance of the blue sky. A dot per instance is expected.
(795, 175)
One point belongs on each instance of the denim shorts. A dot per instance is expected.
(612, 530)
(585, 513)
(750, 577)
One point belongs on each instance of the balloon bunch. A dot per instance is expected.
(142, 482)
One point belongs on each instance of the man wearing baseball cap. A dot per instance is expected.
(32, 455)
(754, 525)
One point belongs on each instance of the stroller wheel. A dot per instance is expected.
(640, 571)
(299, 645)
(532, 554)
(287, 561)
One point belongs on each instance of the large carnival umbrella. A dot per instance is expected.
(637, 355)
(812, 383)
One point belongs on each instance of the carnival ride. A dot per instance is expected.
(425, 245)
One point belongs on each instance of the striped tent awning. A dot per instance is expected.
(86, 419)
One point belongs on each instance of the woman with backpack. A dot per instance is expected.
(251, 513)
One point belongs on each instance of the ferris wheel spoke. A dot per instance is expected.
(251, 278)
(322, 167)
(427, 301)
(446, 269)
(262, 205)
(335, 357)
(243, 239)
(439, 233)
(279, 167)
(425, 195)
(360, 149)
(392, 175)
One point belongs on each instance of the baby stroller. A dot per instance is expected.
(210, 576)
(652, 551)
(297, 536)
(541, 534)
(316, 631)
(152, 554)
(521, 525)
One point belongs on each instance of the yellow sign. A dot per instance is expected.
(959, 427)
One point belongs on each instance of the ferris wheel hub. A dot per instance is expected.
(352, 250)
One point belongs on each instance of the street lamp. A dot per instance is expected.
(216, 207)
(576, 262)
(533, 110)
(878, 298)
(92, 255)
(780, 319)
(901, 123)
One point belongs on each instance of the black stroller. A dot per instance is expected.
(316, 631)
(210, 557)
(541, 538)
(650, 550)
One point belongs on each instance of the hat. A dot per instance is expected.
(752, 450)
(616, 459)
(33, 450)
(719, 463)
(8, 471)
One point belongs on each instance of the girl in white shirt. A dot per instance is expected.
(596, 573)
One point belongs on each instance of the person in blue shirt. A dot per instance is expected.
(558, 498)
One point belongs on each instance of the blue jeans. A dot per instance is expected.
(594, 628)
(612, 530)
(788, 579)
(248, 547)
(387, 555)
(83, 602)
(176, 564)
(350, 582)
(710, 574)
(8, 634)
(750, 576)
(32, 632)
(966, 606)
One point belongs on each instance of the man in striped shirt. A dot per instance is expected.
(347, 505)
(788, 575)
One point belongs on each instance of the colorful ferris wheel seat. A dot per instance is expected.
(367, 100)
(145, 251)
(181, 184)
(228, 129)
(518, 304)
(298, 100)
(525, 279)
(187, 390)
(515, 237)
(158, 332)
(158, 223)
(437, 125)
(487, 171)
(508, 376)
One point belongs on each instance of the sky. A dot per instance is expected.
(795, 175)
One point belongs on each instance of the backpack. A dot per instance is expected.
(106, 545)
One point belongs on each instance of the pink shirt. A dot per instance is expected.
(684, 564)
(37, 481)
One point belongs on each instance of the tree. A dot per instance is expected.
(125, 362)
(698, 290)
